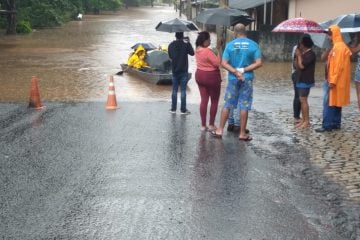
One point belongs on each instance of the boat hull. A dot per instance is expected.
(154, 77)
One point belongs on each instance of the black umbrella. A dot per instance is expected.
(146, 45)
(176, 25)
(347, 23)
(322, 40)
(159, 60)
(224, 17)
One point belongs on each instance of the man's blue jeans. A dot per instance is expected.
(179, 80)
(331, 114)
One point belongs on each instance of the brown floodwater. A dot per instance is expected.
(74, 62)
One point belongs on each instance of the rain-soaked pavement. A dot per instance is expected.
(75, 171)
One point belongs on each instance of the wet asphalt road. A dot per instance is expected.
(77, 171)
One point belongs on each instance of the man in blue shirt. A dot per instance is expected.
(241, 57)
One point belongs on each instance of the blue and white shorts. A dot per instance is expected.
(239, 93)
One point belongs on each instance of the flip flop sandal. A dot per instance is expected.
(211, 130)
(246, 139)
(204, 129)
(215, 135)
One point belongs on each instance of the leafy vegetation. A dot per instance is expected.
(23, 27)
(51, 13)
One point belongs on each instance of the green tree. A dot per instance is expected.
(50, 13)
(9, 6)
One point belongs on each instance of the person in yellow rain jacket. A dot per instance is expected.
(137, 59)
(338, 76)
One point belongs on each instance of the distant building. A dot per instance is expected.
(322, 10)
(265, 12)
(269, 13)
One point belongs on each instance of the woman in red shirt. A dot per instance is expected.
(208, 78)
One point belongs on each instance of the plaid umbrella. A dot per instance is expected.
(348, 23)
(299, 25)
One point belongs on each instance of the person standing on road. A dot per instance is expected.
(305, 77)
(234, 120)
(208, 78)
(338, 81)
(241, 57)
(178, 51)
(355, 48)
(296, 101)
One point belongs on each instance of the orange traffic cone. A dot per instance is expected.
(111, 101)
(34, 94)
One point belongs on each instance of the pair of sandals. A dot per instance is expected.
(246, 139)
(207, 129)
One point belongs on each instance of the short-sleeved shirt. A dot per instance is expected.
(206, 60)
(240, 53)
(307, 75)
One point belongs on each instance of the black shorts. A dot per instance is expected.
(303, 92)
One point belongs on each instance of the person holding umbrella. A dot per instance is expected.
(241, 57)
(305, 67)
(178, 51)
(355, 48)
(296, 100)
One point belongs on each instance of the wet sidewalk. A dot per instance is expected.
(332, 158)
(77, 171)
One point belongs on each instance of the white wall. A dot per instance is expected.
(322, 10)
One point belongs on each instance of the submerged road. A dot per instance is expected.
(77, 171)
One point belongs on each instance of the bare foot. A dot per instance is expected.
(297, 120)
(304, 125)
(212, 128)
(203, 128)
(299, 124)
(216, 135)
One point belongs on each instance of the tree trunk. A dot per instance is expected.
(188, 10)
(221, 31)
(11, 16)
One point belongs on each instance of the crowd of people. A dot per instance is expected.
(337, 79)
(240, 58)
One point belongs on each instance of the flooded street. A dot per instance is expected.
(73, 62)
(74, 170)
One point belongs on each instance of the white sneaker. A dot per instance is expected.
(171, 111)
